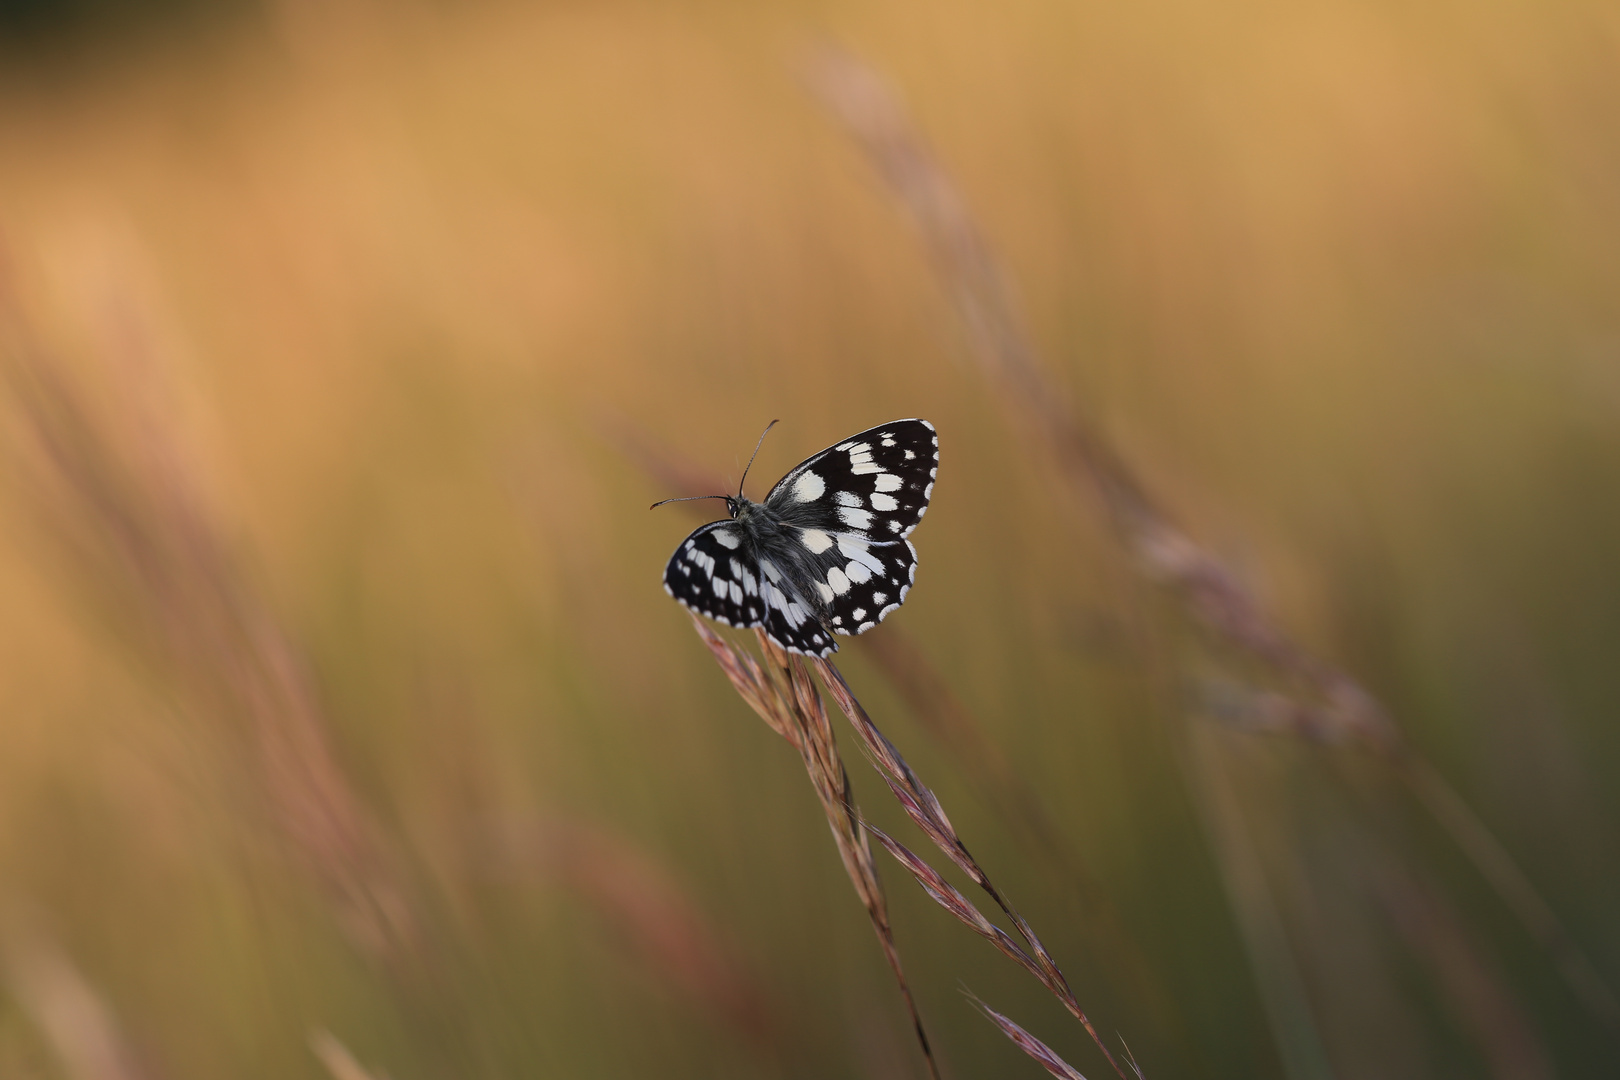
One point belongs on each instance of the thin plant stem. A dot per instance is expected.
(1323, 703)
(924, 809)
(781, 693)
(1277, 974)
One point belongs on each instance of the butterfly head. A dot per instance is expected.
(740, 507)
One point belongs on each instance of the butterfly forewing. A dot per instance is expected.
(876, 484)
(826, 552)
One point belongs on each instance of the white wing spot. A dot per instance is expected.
(860, 450)
(847, 498)
(910, 456)
(838, 582)
(826, 592)
(736, 569)
(816, 540)
(933, 474)
(855, 519)
(888, 442)
(838, 620)
(888, 482)
(854, 549)
(864, 627)
(880, 597)
(808, 487)
(884, 502)
(845, 446)
(903, 590)
(736, 593)
(858, 573)
(862, 468)
(726, 538)
(750, 586)
(770, 570)
(884, 614)
(894, 524)
(928, 492)
(719, 586)
(858, 613)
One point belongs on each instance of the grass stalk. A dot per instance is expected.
(943, 716)
(1029, 1044)
(781, 693)
(925, 811)
(75, 1019)
(118, 492)
(928, 697)
(339, 1062)
(1322, 702)
(1277, 974)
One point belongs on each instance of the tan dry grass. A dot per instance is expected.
(781, 693)
(1318, 701)
(120, 498)
(598, 194)
(80, 1026)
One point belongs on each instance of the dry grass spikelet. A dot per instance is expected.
(781, 692)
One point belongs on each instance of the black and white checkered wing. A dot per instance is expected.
(850, 508)
(855, 585)
(826, 552)
(793, 617)
(713, 573)
(875, 485)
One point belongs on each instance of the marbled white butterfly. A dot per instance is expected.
(826, 552)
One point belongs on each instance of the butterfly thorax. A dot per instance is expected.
(761, 525)
(767, 533)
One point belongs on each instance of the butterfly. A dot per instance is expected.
(826, 552)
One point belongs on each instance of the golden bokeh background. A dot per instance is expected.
(343, 722)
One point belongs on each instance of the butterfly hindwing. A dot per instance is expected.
(859, 582)
(792, 618)
(876, 484)
(714, 573)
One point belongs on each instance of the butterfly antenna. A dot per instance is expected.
(755, 454)
(689, 498)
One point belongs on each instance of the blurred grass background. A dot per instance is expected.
(339, 692)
